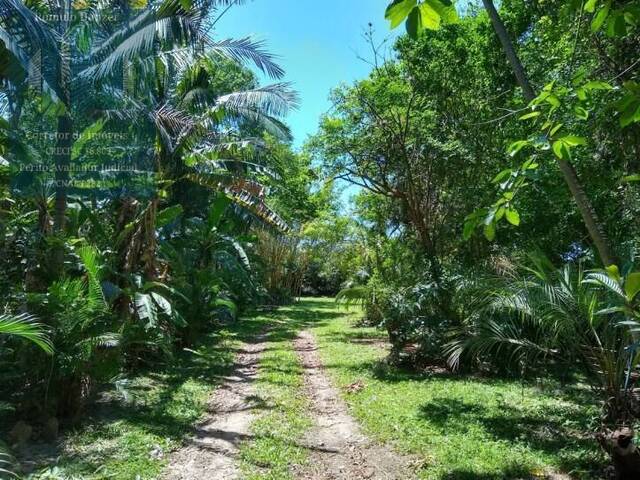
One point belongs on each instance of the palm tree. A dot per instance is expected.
(116, 46)
(86, 46)
(202, 136)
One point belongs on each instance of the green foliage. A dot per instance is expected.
(145, 412)
(7, 462)
(467, 427)
(26, 326)
(121, 268)
(353, 296)
(421, 15)
(539, 316)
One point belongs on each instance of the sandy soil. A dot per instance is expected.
(338, 448)
(211, 452)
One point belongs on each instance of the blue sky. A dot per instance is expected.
(317, 42)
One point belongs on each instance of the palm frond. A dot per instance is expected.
(604, 280)
(354, 295)
(7, 463)
(274, 100)
(92, 264)
(26, 326)
(138, 40)
(247, 50)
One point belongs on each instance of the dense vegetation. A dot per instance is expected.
(149, 195)
(448, 125)
(137, 154)
(496, 153)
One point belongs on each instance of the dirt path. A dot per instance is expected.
(339, 450)
(210, 453)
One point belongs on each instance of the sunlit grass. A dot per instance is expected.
(130, 434)
(459, 427)
(275, 449)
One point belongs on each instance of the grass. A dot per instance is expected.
(131, 431)
(460, 427)
(130, 435)
(274, 448)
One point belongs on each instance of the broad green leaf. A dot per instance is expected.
(553, 100)
(560, 149)
(555, 129)
(414, 23)
(597, 85)
(530, 115)
(631, 178)
(590, 6)
(168, 215)
(445, 10)
(398, 11)
(502, 175)
(600, 17)
(581, 93)
(490, 232)
(613, 272)
(616, 26)
(217, 209)
(574, 141)
(468, 229)
(430, 18)
(632, 285)
(515, 147)
(512, 216)
(581, 113)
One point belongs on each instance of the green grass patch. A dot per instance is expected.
(463, 427)
(274, 448)
(131, 430)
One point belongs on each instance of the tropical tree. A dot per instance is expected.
(430, 15)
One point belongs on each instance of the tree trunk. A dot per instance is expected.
(62, 164)
(589, 216)
(64, 138)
